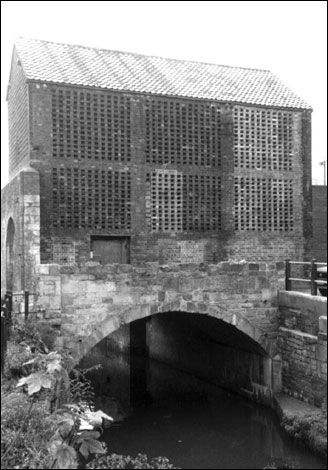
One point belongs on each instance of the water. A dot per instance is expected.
(194, 424)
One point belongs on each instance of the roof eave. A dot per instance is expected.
(186, 97)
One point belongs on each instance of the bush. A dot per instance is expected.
(39, 336)
(30, 448)
(126, 461)
(310, 429)
(279, 464)
(16, 356)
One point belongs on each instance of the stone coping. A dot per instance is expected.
(298, 300)
(224, 266)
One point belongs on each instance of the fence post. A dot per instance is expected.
(314, 289)
(26, 297)
(4, 333)
(287, 275)
(9, 306)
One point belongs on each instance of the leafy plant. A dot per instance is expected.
(279, 464)
(30, 428)
(126, 461)
(81, 388)
(310, 429)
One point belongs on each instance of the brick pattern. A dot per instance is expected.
(198, 205)
(91, 198)
(183, 133)
(179, 202)
(90, 125)
(263, 139)
(264, 204)
(18, 117)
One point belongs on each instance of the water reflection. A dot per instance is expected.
(163, 411)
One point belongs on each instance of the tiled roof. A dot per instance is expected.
(79, 65)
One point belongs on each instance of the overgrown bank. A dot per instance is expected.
(47, 413)
(304, 423)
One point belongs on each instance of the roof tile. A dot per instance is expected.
(79, 65)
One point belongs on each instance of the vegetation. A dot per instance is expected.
(47, 415)
(279, 464)
(126, 461)
(310, 429)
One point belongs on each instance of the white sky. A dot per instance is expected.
(287, 37)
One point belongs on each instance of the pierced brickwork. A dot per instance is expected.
(183, 133)
(263, 204)
(90, 125)
(185, 179)
(183, 202)
(263, 138)
(91, 198)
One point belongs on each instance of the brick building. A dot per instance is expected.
(128, 158)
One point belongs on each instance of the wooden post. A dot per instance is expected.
(287, 275)
(26, 296)
(314, 289)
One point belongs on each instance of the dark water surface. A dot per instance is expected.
(197, 425)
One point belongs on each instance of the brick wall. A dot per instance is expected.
(303, 344)
(143, 164)
(319, 240)
(18, 116)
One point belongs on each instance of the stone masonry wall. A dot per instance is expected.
(20, 201)
(303, 346)
(89, 302)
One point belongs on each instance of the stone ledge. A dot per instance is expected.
(298, 300)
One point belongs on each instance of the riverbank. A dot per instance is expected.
(303, 422)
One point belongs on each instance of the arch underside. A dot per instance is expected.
(99, 331)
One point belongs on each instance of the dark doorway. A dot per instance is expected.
(10, 255)
(108, 250)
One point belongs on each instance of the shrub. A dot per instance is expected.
(16, 356)
(310, 429)
(30, 448)
(279, 464)
(39, 336)
(126, 461)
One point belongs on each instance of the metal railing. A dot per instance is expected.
(312, 279)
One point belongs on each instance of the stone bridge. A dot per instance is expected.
(92, 301)
(87, 303)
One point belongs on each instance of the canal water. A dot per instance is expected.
(161, 411)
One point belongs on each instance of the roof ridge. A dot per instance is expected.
(142, 55)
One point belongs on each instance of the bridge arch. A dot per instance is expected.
(111, 323)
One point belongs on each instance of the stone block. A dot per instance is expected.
(44, 269)
(321, 352)
(323, 324)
